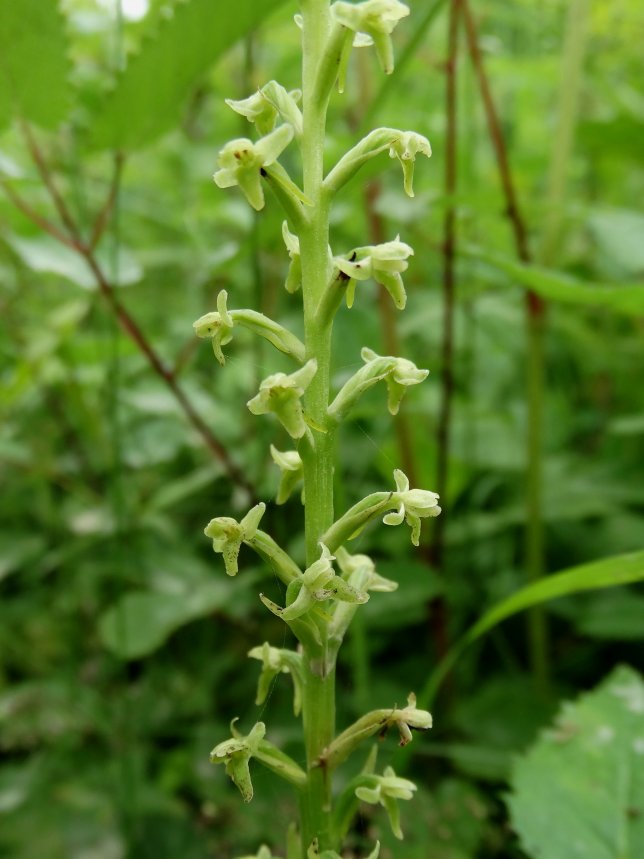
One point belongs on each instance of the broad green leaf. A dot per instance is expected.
(141, 621)
(618, 234)
(555, 286)
(33, 62)
(579, 792)
(148, 96)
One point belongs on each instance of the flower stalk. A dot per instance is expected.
(326, 589)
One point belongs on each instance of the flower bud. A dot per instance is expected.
(290, 464)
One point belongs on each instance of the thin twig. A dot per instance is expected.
(103, 217)
(449, 280)
(45, 225)
(127, 322)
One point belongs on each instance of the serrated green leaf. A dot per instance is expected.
(33, 62)
(552, 285)
(147, 98)
(579, 792)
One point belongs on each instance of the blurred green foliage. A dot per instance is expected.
(122, 646)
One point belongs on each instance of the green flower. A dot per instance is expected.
(384, 263)
(290, 464)
(318, 584)
(360, 572)
(278, 661)
(405, 148)
(236, 754)
(241, 162)
(227, 534)
(403, 374)
(218, 326)
(281, 394)
(375, 19)
(386, 790)
(415, 504)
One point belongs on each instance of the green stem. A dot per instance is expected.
(318, 699)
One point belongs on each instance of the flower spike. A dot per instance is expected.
(415, 504)
(281, 394)
(227, 534)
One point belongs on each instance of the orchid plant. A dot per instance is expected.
(321, 599)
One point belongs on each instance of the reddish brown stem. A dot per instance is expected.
(449, 281)
(103, 217)
(125, 319)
